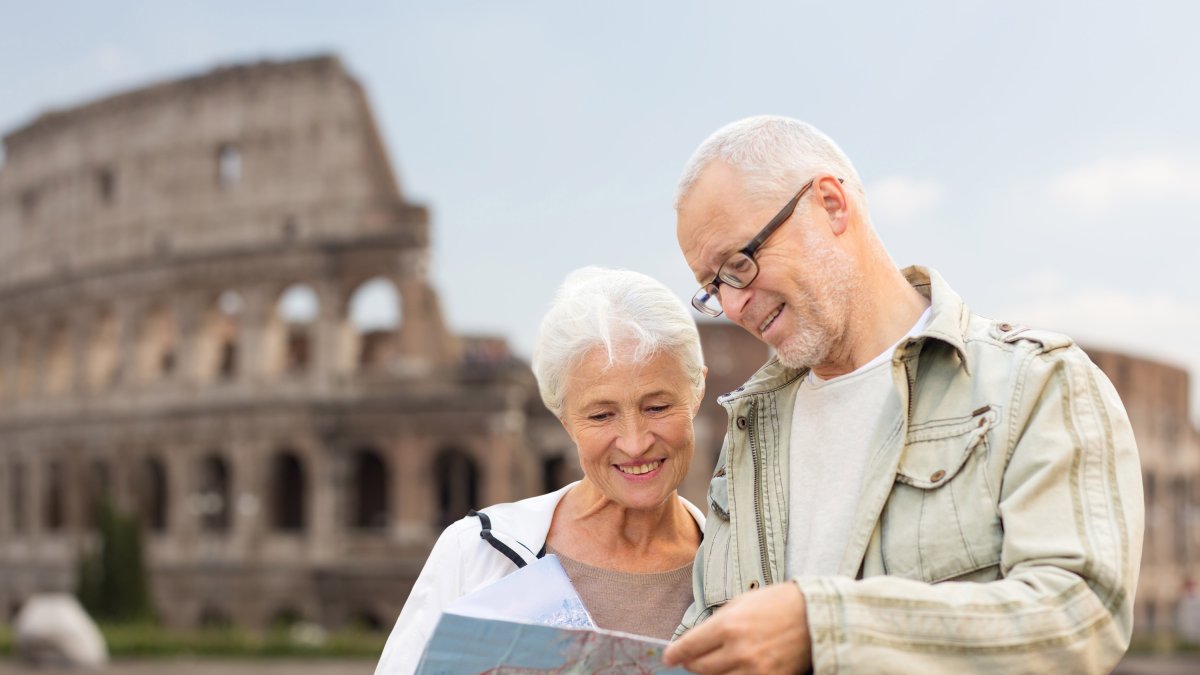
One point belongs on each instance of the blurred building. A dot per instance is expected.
(1156, 395)
(180, 271)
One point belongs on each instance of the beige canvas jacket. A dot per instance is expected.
(999, 527)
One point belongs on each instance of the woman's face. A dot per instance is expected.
(632, 424)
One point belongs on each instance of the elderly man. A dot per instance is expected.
(905, 486)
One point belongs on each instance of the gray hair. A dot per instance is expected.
(773, 154)
(627, 314)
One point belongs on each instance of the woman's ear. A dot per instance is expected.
(700, 392)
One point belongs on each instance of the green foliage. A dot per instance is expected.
(6, 641)
(112, 579)
(147, 640)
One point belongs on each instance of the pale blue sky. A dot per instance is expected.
(1043, 156)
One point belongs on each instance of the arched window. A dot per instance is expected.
(212, 497)
(457, 485)
(153, 497)
(289, 492)
(219, 354)
(156, 342)
(54, 495)
(229, 165)
(297, 312)
(370, 490)
(375, 314)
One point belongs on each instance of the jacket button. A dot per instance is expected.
(741, 422)
(937, 475)
(754, 584)
(1005, 327)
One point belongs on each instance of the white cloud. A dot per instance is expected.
(903, 199)
(1110, 182)
(1152, 325)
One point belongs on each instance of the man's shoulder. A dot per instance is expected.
(1009, 336)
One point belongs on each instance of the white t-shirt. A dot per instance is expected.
(833, 424)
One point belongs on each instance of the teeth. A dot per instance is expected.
(767, 322)
(640, 468)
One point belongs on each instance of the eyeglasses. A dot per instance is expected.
(740, 270)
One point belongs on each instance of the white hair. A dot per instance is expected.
(773, 154)
(627, 314)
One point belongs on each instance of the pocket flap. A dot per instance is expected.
(936, 451)
(718, 494)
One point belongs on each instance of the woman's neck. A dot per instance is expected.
(593, 529)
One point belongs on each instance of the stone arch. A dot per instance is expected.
(156, 344)
(54, 496)
(289, 492)
(219, 357)
(369, 490)
(291, 330)
(458, 478)
(103, 352)
(373, 315)
(153, 496)
(212, 497)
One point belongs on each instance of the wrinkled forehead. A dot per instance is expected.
(715, 219)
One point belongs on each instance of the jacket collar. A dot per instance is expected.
(948, 322)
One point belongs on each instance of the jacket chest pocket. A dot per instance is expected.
(941, 521)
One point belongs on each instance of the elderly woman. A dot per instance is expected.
(618, 361)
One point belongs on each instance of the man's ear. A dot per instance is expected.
(700, 392)
(833, 198)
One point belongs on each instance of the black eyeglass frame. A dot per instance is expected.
(712, 288)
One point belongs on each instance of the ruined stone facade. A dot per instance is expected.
(286, 463)
(1156, 396)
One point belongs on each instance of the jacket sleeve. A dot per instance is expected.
(1070, 500)
(439, 583)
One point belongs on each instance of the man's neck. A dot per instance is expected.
(886, 312)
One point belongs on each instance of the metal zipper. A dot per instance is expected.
(758, 514)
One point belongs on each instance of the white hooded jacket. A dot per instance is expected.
(472, 553)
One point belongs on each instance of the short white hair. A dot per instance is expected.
(773, 154)
(627, 314)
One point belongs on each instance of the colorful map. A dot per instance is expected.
(463, 645)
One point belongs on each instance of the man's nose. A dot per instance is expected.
(734, 302)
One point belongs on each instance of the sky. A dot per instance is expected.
(1044, 157)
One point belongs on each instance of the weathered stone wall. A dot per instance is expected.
(1156, 397)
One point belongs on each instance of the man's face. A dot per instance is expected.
(800, 300)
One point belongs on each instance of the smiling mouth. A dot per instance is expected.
(639, 469)
(762, 327)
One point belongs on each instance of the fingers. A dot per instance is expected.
(697, 642)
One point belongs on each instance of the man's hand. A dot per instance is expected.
(761, 631)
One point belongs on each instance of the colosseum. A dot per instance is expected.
(180, 271)
(183, 275)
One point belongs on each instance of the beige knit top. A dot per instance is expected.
(650, 604)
